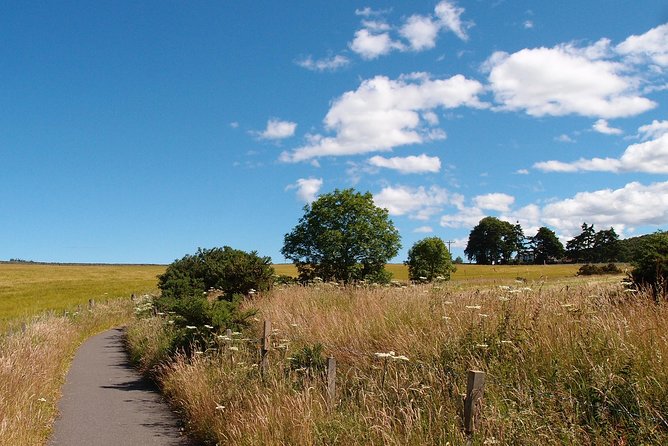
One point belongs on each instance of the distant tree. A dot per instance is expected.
(494, 241)
(581, 247)
(229, 270)
(458, 260)
(546, 246)
(344, 236)
(606, 246)
(651, 264)
(429, 258)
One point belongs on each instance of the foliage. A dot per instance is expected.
(546, 246)
(344, 236)
(651, 264)
(592, 246)
(429, 258)
(227, 269)
(458, 260)
(494, 241)
(590, 270)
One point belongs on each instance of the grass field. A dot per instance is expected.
(29, 289)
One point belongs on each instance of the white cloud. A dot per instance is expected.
(633, 205)
(419, 203)
(368, 12)
(409, 164)
(528, 24)
(651, 46)
(324, 64)
(450, 17)
(420, 31)
(522, 172)
(467, 217)
(602, 126)
(648, 157)
(495, 202)
(564, 138)
(653, 130)
(383, 113)
(277, 129)
(564, 80)
(370, 45)
(307, 188)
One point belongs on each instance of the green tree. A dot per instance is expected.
(581, 247)
(651, 264)
(429, 258)
(344, 236)
(494, 241)
(606, 246)
(546, 246)
(227, 269)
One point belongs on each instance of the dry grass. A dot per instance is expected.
(33, 364)
(567, 363)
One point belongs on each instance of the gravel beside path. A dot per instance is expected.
(106, 402)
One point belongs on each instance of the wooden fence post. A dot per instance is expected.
(331, 381)
(91, 304)
(266, 343)
(474, 389)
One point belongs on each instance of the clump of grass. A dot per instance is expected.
(576, 363)
(33, 363)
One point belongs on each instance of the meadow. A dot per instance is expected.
(568, 360)
(28, 289)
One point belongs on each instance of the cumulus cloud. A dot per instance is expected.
(648, 157)
(419, 203)
(420, 32)
(409, 164)
(651, 46)
(602, 126)
(383, 113)
(564, 80)
(277, 129)
(495, 201)
(325, 64)
(633, 205)
(307, 188)
(423, 230)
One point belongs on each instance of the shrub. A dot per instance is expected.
(429, 258)
(227, 269)
(590, 270)
(651, 264)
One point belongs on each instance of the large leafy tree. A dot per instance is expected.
(344, 236)
(606, 246)
(546, 246)
(650, 263)
(429, 258)
(494, 241)
(581, 247)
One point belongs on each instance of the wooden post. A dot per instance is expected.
(228, 333)
(91, 304)
(331, 381)
(474, 388)
(266, 343)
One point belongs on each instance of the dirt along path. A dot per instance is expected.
(106, 402)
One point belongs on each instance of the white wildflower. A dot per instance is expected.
(474, 307)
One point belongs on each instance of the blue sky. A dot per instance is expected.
(135, 132)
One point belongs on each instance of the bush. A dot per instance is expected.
(428, 259)
(227, 269)
(590, 270)
(651, 264)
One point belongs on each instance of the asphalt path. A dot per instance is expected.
(106, 402)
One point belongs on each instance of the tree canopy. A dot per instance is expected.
(546, 246)
(651, 264)
(494, 241)
(429, 258)
(344, 236)
(592, 246)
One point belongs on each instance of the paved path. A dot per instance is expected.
(106, 402)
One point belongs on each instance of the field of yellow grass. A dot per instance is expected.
(29, 289)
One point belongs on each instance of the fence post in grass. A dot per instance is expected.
(331, 381)
(474, 389)
(91, 304)
(266, 343)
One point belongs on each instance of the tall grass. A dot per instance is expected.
(575, 363)
(33, 363)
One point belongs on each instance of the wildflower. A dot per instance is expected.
(191, 327)
(504, 299)
(481, 346)
(447, 302)
(401, 358)
(474, 307)
(483, 315)
(566, 305)
(236, 333)
(234, 349)
(507, 342)
(198, 352)
(42, 400)
(170, 322)
(160, 314)
(447, 318)
(294, 325)
(210, 327)
(224, 338)
(382, 355)
(504, 287)
(220, 406)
